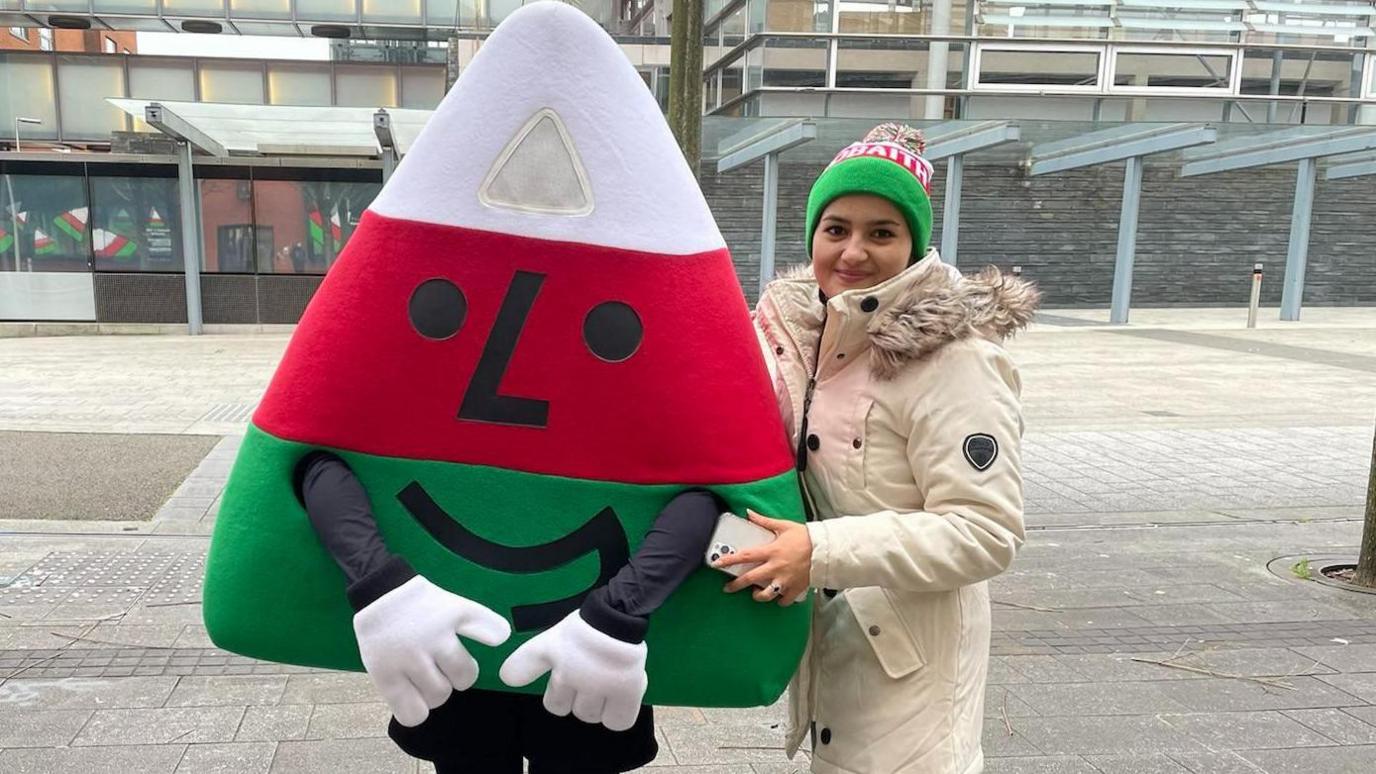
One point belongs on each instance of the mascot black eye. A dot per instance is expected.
(437, 309)
(613, 331)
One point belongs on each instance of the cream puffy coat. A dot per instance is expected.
(911, 444)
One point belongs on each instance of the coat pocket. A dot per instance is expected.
(894, 646)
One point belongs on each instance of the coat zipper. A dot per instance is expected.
(800, 461)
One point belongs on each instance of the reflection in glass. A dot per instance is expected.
(796, 16)
(135, 224)
(43, 223)
(226, 225)
(303, 225)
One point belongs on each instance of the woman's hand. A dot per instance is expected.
(785, 564)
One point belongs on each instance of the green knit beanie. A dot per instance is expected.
(887, 163)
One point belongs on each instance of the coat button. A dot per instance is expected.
(841, 356)
(829, 592)
(778, 350)
(874, 631)
(856, 443)
(825, 736)
(869, 304)
(813, 442)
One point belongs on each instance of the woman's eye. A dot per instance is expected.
(883, 234)
(835, 230)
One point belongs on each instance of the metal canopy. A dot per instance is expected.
(173, 125)
(1354, 167)
(268, 130)
(951, 141)
(757, 143)
(955, 138)
(221, 131)
(1116, 144)
(766, 143)
(1283, 147)
(1127, 143)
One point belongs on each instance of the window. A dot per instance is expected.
(45, 39)
(85, 83)
(226, 225)
(43, 223)
(135, 224)
(1035, 67)
(20, 32)
(303, 225)
(110, 46)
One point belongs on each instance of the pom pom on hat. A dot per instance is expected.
(899, 134)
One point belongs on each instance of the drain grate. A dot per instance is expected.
(229, 412)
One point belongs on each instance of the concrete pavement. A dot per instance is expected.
(1176, 469)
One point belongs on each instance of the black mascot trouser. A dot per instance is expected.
(488, 732)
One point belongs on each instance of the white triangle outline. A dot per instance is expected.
(500, 163)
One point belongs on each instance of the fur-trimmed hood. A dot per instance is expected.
(921, 310)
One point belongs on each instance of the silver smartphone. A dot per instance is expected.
(731, 535)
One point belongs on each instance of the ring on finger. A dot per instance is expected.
(777, 589)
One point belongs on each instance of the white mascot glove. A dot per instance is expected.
(599, 678)
(409, 641)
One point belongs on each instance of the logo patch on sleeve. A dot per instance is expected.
(981, 450)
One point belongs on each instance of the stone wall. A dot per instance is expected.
(1196, 243)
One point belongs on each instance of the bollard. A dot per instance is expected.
(1256, 296)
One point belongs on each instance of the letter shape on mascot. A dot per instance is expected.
(533, 341)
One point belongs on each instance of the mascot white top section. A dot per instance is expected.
(551, 133)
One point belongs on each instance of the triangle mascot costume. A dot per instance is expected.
(505, 427)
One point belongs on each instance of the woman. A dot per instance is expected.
(906, 416)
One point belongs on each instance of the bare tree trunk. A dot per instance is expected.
(685, 79)
(1366, 558)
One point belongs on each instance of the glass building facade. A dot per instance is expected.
(125, 218)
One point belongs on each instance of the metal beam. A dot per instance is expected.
(382, 128)
(1117, 144)
(191, 236)
(960, 137)
(776, 139)
(951, 141)
(1292, 291)
(769, 221)
(1280, 147)
(950, 214)
(1127, 242)
(169, 123)
(1352, 169)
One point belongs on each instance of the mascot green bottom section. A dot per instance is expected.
(519, 543)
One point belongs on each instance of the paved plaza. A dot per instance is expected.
(1177, 469)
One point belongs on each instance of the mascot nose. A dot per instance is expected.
(483, 402)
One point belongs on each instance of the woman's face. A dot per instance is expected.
(861, 240)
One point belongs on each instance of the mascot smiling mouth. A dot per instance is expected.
(602, 533)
